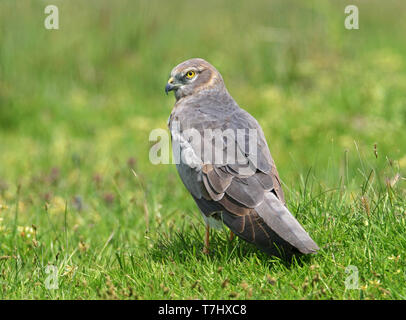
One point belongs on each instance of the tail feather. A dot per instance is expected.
(253, 229)
(270, 226)
(284, 224)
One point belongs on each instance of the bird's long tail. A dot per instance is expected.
(272, 228)
(283, 223)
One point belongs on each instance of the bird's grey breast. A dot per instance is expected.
(187, 161)
(188, 124)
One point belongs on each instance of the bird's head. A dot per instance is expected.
(193, 76)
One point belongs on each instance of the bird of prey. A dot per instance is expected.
(244, 193)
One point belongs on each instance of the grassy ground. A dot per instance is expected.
(76, 108)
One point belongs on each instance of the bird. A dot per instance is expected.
(245, 195)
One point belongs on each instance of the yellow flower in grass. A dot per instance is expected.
(346, 141)
(73, 177)
(402, 162)
(392, 257)
(83, 247)
(8, 195)
(21, 206)
(26, 231)
(57, 205)
(375, 283)
(2, 228)
(69, 271)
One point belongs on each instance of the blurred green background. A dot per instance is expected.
(95, 86)
(77, 104)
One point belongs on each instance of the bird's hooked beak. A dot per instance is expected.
(170, 85)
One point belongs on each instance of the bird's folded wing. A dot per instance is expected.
(249, 191)
(252, 208)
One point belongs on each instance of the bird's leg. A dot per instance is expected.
(231, 235)
(206, 240)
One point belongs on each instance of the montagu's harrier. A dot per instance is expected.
(224, 161)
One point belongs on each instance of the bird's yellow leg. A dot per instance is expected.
(231, 235)
(206, 240)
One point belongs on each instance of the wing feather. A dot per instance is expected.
(249, 193)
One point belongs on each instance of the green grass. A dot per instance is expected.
(77, 106)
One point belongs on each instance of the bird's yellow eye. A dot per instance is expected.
(190, 74)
